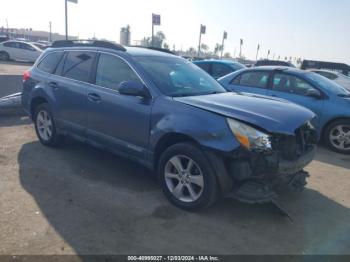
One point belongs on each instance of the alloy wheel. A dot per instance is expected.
(340, 137)
(184, 178)
(44, 125)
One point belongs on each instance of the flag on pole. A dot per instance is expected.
(73, 1)
(225, 35)
(203, 29)
(258, 46)
(241, 41)
(155, 19)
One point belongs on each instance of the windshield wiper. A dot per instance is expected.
(214, 93)
(180, 95)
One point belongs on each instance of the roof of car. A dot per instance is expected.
(215, 61)
(111, 47)
(277, 68)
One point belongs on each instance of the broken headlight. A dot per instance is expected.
(248, 136)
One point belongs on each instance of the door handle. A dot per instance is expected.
(54, 85)
(94, 97)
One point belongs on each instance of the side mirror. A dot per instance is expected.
(314, 93)
(133, 88)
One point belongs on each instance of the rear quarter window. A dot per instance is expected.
(50, 62)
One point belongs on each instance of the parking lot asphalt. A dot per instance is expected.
(79, 200)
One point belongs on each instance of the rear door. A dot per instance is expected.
(294, 88)
(254, 82)
(118, 121)
(70, 90)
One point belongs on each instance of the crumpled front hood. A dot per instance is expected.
(273, 115)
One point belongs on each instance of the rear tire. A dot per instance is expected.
(4, 56)
(187, 178)
(45, 126)
(337, 136)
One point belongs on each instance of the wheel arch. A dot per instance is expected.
(224, 180)
(168, 140)
(35, 102)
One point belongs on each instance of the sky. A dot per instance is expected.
(307, 29)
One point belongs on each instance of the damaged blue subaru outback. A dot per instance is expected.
(169, 115)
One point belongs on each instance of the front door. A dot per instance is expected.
(118, 121)
(295, 89)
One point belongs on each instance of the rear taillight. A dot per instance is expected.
(26, 76)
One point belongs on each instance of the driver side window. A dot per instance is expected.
(291, 84)
(111, 71)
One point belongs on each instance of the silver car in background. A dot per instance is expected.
(337, 77)
(19, 51)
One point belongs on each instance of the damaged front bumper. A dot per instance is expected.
(254, 177)
(274, 172)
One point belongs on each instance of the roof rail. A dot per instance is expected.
(281, 68)
(92, 43)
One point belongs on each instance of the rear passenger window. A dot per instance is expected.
(78, 65)
(111, 71)
(49, 63)
(254, 79)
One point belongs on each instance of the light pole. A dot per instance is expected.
(66, 18)
(240, 48)
(202, 30)
(66, 13)
(155, 21)
(223, 40)
(50, 28)
(7, 27)
(257, 52)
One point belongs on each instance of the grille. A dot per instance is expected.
(292, 147)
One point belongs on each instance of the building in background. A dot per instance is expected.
(125, 36)
(29, 34)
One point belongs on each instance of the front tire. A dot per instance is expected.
(187, 178)
(45, 126)
(337, 136)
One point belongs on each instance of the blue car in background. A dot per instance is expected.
(327, 99)
(219, 68)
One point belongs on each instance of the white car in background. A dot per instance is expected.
(19, 50)
(337, 77)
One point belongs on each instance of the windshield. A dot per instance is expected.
(178, 77)
(327, 84)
